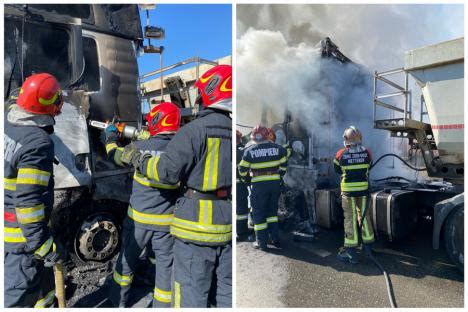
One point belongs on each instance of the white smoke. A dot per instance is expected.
(279, 64)
(373, 35)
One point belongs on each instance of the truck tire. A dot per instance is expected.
(454, 237)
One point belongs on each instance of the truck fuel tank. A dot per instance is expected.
(393, 213)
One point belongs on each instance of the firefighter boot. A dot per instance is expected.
(367, 249)
(348, 255)
(260, 245)
(276, 244)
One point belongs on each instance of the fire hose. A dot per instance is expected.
(59, 276)
(402, 160)
(388, 281)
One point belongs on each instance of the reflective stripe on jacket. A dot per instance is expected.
(28, 188)
(151, 202)
(266, 160)
(199, 157)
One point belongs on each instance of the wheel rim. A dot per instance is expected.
(97, 238)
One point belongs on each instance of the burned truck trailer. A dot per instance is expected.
(92, 50)
(398, 201)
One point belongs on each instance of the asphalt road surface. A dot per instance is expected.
(88, 285)
(307, 274)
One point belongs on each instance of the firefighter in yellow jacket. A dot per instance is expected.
(353, 163)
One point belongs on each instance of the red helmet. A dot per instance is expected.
(215, 87)
(271, 135)
(164, 117)
(41, 94)
(259, 133)
(238, 137)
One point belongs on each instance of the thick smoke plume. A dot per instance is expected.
(373, 35)
(279, 64)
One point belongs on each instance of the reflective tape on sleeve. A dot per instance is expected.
(272, 219)
(47, 301)
(261, 226)
(13, 235)
(27, 215)
(244, 163)
(32, 176)
(9, 184)
(45, 248)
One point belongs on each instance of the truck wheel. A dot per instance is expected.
(454, 237)
(97, 238)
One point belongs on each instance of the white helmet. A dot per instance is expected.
(352, 136)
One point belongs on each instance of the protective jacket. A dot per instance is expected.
(199, 157)
(151, 203)
(266, 160)
(239, 153)
(242, 209)
(29, 188)
(353, 165)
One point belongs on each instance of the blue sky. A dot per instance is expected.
(203, 30)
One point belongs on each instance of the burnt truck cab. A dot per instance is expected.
(92, 50)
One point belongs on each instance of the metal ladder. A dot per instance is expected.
(403, 125)
(182, 88)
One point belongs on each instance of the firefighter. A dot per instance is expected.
(271, 135)
(242, 194)
(30, 249)
(267, 163)
(200, 158)
(353, 162)
(150, 211)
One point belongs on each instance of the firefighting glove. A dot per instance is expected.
(143, 135)
(56, 254)
(112, 134)
(132, 155)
